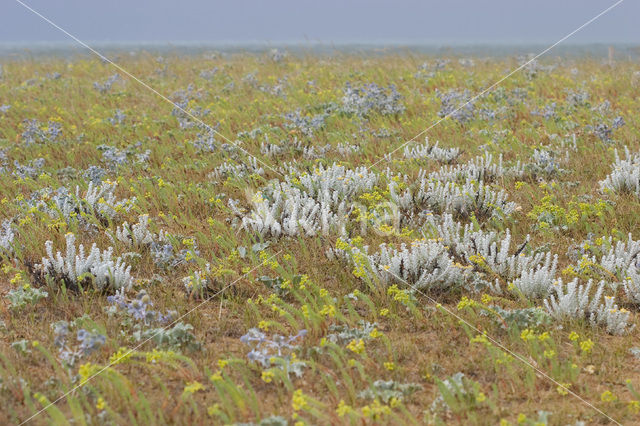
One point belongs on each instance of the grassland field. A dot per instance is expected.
(276, 246)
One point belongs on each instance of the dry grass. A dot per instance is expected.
(423, 342)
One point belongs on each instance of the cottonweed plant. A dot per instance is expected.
(98, 200)
(309, 203)
(625, 177)
(463, 200)
(486, 249)
(7, 235)
(615, 261)
(230, 169)
(77, 270)
(163, 247)
(575, 301)
(432, 152)
(425, 264)
(137, 235)
(536, 282)
(480, 169)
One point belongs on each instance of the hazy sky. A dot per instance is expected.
(326, 21)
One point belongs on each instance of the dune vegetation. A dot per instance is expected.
(282, 239)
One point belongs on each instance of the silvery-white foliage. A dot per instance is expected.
(102, 199)
(292, 212)
(198, 280)
(309, 203)
(536, 282)
(137, 235)
(272, 149)
(433, 152)
(456, 385)
(614, 319)
(620, 256)
(463, 200)
(289, 168)
(73, 267)
(625, 177)
(426, 264)
(347, 149)
(335, 183)
(631, 284)
(573, 300)
(6, 237)
(228, 169)
(481, 169)
(99, 200)
(493, 248)
(313, 151)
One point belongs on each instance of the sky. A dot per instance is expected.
(321, 21)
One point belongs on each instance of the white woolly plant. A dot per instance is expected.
(619, 261)
(308, 204)
(536, 282)
(480, 169)
(426, 264)
(625, 177)
(6, 238)
(620, 256)
(228, 169)
(99, 200)
(462, 200)
(198, 281)
(137, 235)
(432, 152)
(344, 148)
(468, 198)
(335, 183)
(102, 199)
(631, 284)
(293, 214)
(490, 250)
(615, 320)
(575, 301)
(75, 267)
